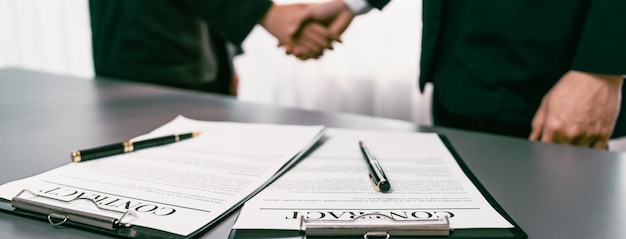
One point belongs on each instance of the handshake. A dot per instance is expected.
(307, 30)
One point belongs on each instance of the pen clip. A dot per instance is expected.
(376, 224)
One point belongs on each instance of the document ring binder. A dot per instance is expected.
(381, 226)
(60, 215)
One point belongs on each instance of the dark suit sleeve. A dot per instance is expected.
(231, 19)
(378, 3)
(602, 46)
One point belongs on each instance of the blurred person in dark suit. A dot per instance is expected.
(550, 71)
(189, 43)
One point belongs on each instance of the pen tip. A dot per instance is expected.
(194, 134)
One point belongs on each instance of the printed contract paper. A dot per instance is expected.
(179, 187)
(332, 184)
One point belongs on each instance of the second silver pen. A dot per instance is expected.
(378, 177)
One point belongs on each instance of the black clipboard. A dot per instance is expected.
(488, 233)
(106, 225)
(110, 225)
(59, 217)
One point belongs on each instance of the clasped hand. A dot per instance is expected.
(307, 30)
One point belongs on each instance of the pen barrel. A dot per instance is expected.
(378, 177)
(99, 152)
(127, 146)
(160, 141)
(379, 180)
(376, 170)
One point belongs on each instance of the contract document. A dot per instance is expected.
(332, 184)
(180, 187)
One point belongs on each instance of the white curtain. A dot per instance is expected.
(46, 35)
(374, 71)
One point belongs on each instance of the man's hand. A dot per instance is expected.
(334, 14)
(581, 109)
(309, 42)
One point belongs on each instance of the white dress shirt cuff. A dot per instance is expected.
(358, 7)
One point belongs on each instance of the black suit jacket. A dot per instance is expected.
(160, 41)
(495, 60)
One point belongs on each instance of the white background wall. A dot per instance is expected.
(47, 35)
(374, 72)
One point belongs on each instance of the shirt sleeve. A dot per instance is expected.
(359, 7)
(602, 45)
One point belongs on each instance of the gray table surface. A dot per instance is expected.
(551, 191)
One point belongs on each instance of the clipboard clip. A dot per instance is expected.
(381, 226)
(58, 215)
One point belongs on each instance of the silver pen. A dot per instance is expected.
(380, 181)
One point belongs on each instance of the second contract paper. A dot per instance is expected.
(333, 184)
